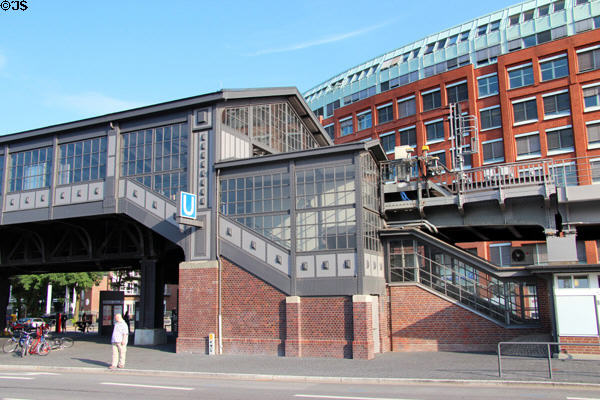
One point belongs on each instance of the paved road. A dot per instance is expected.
(125, 385)
(92, 351)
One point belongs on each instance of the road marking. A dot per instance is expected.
(581, 398)
(317, 396)
(28, 373)
(147, 386)
(15, 377)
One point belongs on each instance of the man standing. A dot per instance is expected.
(119, 340)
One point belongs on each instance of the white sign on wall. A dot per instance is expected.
(577, 315)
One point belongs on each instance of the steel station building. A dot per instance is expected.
(300, 248)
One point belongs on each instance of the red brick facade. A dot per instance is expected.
(423, 321)
(259, 319)
(198, 307)
(591, 350)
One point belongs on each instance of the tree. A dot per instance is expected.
(121, 279)
(30, 290)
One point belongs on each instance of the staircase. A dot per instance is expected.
(501, 294)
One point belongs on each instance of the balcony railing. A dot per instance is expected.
(552, 172)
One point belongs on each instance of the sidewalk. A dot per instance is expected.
(92, 351)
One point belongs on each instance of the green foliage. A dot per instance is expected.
(30, 290)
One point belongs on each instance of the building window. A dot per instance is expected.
(457, 93)
(82, 161)
(514, 19)
(346, 126)
(493, 151)
(326, 230)
(557, 105)
(578, 2)
(588, 59)
(593, 134)
(595, 168)
(525, 111)
(364, 120)
(554, 69)
(558, 5)
(30, 169)
(331, 107)
(591, 97)
(490, 118)
(560, 140)
(487, 85)
(482, 30)
(543, 10)
(157, 158)
(388, 142)
(435, 131)
(242, 197)
(528, 15)
(432, 100)
(500, 254)
(441, 155)
(573, 282)
(325, 187)
(464, 36)
(528, 145)
(319, 112)
(330, 129)
(406, 107)
(521, 76)
(408, 137)
(385, 114)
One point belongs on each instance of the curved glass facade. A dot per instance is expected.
(478, 42)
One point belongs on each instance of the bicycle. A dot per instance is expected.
(40, 346)
(24, 343)
(60, 343)
(11, 344)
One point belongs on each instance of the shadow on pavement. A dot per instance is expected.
(93, 362)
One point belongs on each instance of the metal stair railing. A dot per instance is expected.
(482, 293)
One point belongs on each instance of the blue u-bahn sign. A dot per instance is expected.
(187, 205)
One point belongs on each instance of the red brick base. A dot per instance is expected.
(423, 321)
(259, 319)
(587, 350)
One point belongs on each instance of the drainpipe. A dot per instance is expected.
(219, 278)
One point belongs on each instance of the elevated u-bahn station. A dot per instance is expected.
(469, 217)
(292, 249)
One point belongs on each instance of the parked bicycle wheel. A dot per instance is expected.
(43, 349)
(67, 342)
(24, 348)
(10, 345)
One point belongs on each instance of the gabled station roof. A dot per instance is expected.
(291, 93)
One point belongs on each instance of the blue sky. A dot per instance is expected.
(66, 60)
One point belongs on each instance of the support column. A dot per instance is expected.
(4, 299)
(198, 305)
(49, 299)
(293, 336)
(150, 327)
(362, 345)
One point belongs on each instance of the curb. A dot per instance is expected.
(304, 378)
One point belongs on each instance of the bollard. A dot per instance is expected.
(211, 344)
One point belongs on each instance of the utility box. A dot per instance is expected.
(561, 249)
(111, 304)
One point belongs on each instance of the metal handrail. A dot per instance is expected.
(497, 303)
(548, 344)
(556, 172)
